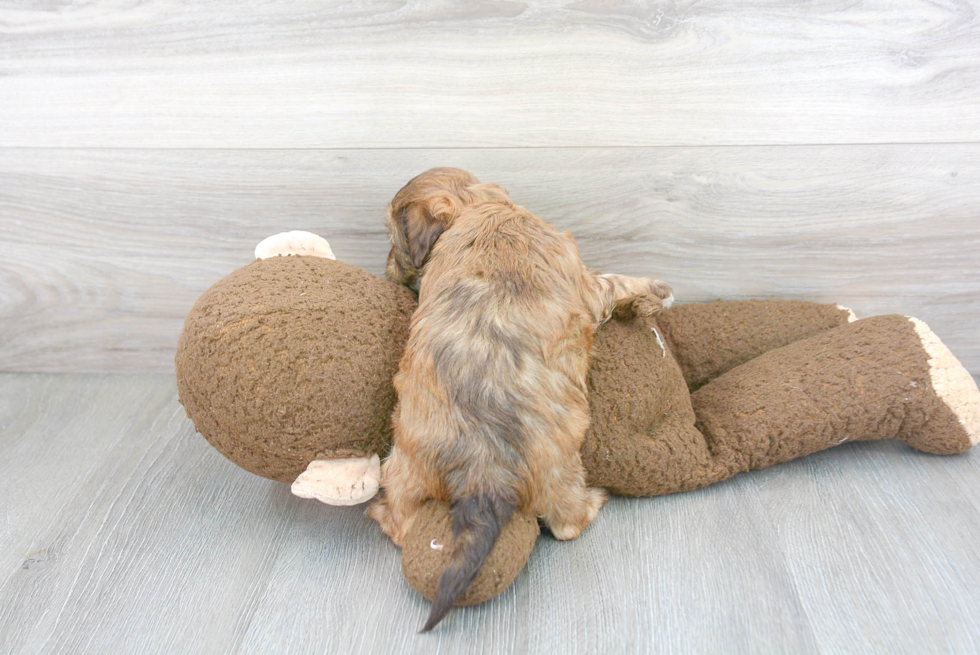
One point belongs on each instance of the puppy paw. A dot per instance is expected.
(594, 500)
(658, 295)
(646, 305)
(597, 498)
(661, 291)
(379, 512)
(566, 531)
(395, 526)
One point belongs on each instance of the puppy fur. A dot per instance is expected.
(492, 405)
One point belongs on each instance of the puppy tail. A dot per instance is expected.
(477, 522)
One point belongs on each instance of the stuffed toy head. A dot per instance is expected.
(285, 366)
(288, 362)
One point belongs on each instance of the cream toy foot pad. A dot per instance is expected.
(349, 481)
(295, 242)
(851, 316)
(951, 381)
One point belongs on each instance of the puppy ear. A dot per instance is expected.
(422, 223)
(421, 245)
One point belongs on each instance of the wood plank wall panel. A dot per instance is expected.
(103, 251)
(383, 74)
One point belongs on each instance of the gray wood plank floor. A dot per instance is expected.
(122, 531)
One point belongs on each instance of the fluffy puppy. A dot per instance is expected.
(492, 405)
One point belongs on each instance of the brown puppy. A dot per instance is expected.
(492, 406)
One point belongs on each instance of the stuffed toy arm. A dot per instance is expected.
(709, 339)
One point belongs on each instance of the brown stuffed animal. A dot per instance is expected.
(285, 366)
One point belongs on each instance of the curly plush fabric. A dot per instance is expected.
(290, 359)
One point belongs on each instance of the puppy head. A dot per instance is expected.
(425, 208)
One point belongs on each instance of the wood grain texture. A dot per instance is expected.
(383, 74)
(104, 251)
(123, 531)
(878, 534)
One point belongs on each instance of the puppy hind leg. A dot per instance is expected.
(403, 497)
(566, 504)
(616, 292)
